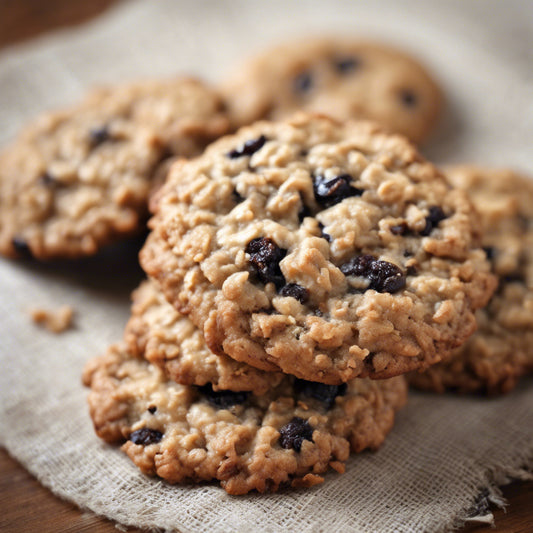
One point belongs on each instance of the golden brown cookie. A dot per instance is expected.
(501, 350)
(290, 435)
(78, 179)
(343, 78)
(326, 250)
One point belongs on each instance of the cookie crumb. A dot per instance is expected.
(55, 321)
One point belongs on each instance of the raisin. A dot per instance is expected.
(383, 276)
(146, 436)
(435, 215)
(152, 409)
(21, 247)
(248, 148)
(399, 229)
(323, 234)
(222, 399)
(265, 256)
(294, 433)
(346, 65)
(408, 98)
(319, 391)
(303, 83)
(99, 135)
(358, 266)
(331, 191)
(296, 291)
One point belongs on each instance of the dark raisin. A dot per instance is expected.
(358, 266)
(248, 148)
(152, 409)
(435, 215)
(408, 98)
(21, 247)
(323, 234)
(146, 436)
(303, 83)
(319, 391)
(318, 312)
(331, 191)
(296, 291)
(386, 277)
(99, 135)
(399, 229)
(265, 256)
(294, 433)
(383, 276)
(490, 252)
(346, 65)
(222, 399)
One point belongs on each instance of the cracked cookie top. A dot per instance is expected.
(326, 250)
(80, 178)
(501, 350)
(288, 436)
(346, 79)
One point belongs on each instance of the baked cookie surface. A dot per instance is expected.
(501, 350)
(345, 79)
(328, 251)
(170, 340)
(288, 436)
(78, 179)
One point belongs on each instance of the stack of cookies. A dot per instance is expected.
(296, 269)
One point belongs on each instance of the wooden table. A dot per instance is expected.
(26, 506)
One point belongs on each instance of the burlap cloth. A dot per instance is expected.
(445, 456)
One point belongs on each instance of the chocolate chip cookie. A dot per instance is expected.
(288, 436)
(345, 79)
(78, 179)
(326, 250)
(501, 350)
(169, 339)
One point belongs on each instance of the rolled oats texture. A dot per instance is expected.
(442, 452)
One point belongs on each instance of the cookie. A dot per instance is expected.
(169, 339)
(327, 250)
(78, 179)
(345, 79)
(288, 436)
(501, 350)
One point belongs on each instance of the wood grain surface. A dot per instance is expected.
(25, 505)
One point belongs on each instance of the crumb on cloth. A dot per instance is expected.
(55, 321)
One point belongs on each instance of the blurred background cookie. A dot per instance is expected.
(78, 179)
(501, 350)
(342, 78)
